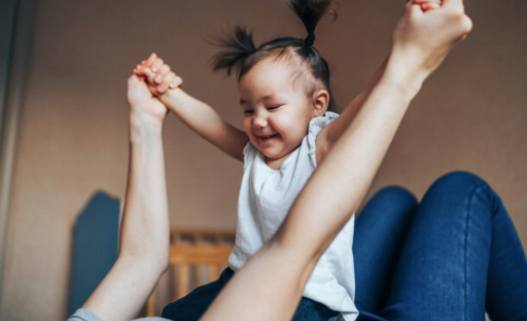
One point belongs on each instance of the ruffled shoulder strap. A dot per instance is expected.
(249, 153)
(315, 126)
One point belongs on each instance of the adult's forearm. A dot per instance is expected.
(145, 218)
(350, 165)
(144, 245)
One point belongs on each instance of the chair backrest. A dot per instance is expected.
(196, 257)
(94, 247)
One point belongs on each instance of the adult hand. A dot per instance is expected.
(143, 105)
(423, 39)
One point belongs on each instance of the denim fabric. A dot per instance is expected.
(193, 306)
(450, 257)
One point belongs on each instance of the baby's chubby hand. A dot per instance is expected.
(158, 75)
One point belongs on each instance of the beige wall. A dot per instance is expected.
(73, 134)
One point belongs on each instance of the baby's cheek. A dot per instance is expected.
(296, 133)
(246, 125)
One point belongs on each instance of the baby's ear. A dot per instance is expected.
(320, 102)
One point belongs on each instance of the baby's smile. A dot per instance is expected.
(267, 138)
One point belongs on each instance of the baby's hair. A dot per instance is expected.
(240, 54)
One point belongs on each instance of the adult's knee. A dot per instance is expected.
(391, 203)
(458, 181)
(460, 192)
(394, 194)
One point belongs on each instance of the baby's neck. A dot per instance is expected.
(275, 163)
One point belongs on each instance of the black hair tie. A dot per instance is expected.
(310, 39)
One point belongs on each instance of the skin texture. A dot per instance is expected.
(421, 41)
(144, 241)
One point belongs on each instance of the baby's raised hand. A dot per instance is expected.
(157, 75)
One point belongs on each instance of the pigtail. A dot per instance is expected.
(236, 49)
(310, 12)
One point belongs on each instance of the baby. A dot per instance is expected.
(288, 128)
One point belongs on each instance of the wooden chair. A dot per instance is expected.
(196, 257)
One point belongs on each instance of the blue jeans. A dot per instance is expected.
(452, 256)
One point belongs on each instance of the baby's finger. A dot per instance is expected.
(147, 72)
(175, 82)
(165, 83)
(170, 81)
(427, 1)
(158, 62)
(163, 71)
(429, 6)
(162, 88)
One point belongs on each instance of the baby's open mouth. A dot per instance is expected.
(267, 137)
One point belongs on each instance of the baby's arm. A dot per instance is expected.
(197, 115)
(330, 134)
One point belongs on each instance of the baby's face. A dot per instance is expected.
(276, 110)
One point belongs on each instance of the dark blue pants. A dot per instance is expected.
(192, 306)
(450, 257)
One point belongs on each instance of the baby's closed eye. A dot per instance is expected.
(273, 107)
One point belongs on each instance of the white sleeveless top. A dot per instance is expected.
(265, 197)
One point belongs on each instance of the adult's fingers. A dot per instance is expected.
(133, 79)
(153, 89)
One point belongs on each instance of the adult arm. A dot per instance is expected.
(144, 238)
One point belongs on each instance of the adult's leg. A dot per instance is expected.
(460, 226)
(380, 230)
(507, 281)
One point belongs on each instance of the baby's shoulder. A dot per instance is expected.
(318, 123)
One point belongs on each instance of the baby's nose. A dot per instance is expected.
(260, 121)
